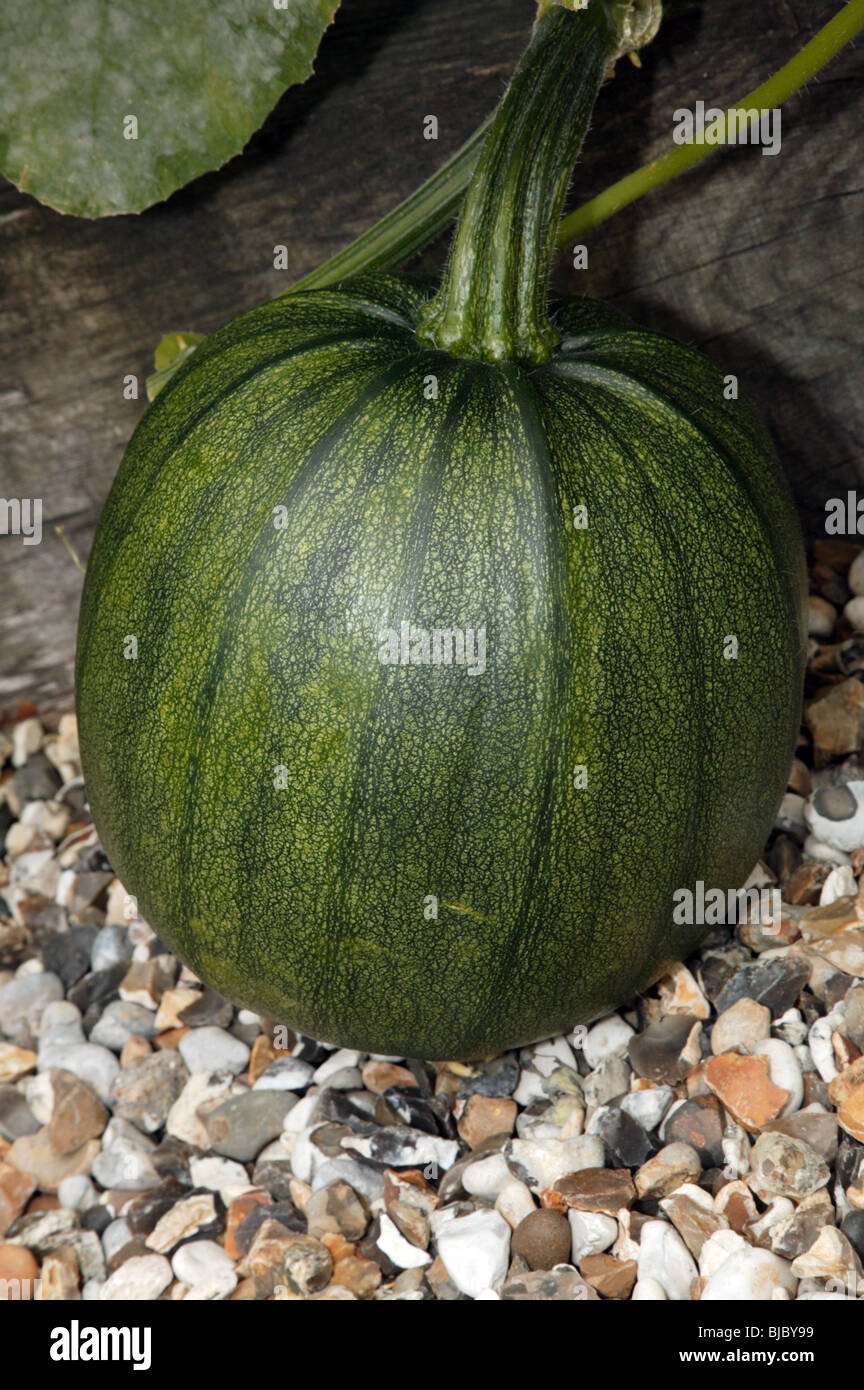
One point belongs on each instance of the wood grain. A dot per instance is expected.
(757, 260)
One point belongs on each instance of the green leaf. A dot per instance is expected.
(197, 78)
(173, 349)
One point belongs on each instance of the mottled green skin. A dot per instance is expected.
(258, 648)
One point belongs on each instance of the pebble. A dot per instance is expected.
(220, 1175)
(204, 1264)
(591, 1232)
(612, 1278)
(784, 1070)
(541, 1162)
(183, 1220)
(691, 1211)
(240, 1126)
(606, 1082)
(183, 1120)
(775, 983)
(561, 1285)
(22, 1003)
(821, 617)
(485, 1116)
(475, 1251)
(543, 1239)
(77, 1114)
(19, 1269)
(608, 1038)
(816, 1128)
(211, 1049)
(741, 1027)
(35, 1155)
(749, 1275)
(699, 1123)
(743, 1086)
(121, 1021)
(514, 1202)
(625, 1143)
(597, 1190)
(647, 1107)
(110, 947)
(15, 1062)
(145, 1092)
(285, 1074)
(91, 1063)
(399, 1251)
(786, 1167)
(794, 1234)
(487, 1177)
(648, 1290)
(140, 1278)
(673, 1165)
(664, 1257)
(667, 1050)
(337, 1210)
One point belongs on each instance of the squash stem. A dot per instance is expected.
(492, 301)
(788, 80)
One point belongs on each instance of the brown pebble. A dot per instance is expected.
(377, 1076)
(598, 1189)
(485, 1116)
(361, 1276)
(135, 1049)
(744, 1086)
(542, 1238)
(16, 1189)
(263, 1053)
(18, 1269)
(610, 1277)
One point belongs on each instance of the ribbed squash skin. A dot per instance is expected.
(258, 649)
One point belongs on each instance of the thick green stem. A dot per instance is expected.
(492, 301)
(824, 46)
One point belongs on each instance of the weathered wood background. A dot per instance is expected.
(756, 259)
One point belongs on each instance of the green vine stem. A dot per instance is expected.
(824, 46)
(492, 301)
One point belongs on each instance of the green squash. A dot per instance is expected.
(326, 818)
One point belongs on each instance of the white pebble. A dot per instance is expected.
(143, 1277)
(840, 883)
(212, 1049)
(591, 1232)
(749, 1275)
(487, 1177)
(664, 1256)
(648, 1107)
(853, 612)
(608, 1038)
(514, 1202)
(199, 1261)
(475, 1251)
(819, 1043)
(648, 1290)
(818, 849)
(397, 1248)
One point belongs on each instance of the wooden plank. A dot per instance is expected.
(756, 259)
